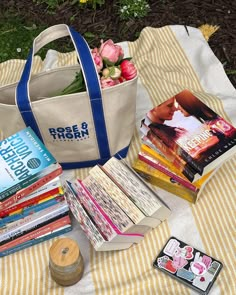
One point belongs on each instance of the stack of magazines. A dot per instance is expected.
(32, 204)
(184, 142)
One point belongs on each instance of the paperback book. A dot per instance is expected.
(187, 128)
(114, 214)
(23, 160)
(166, 182)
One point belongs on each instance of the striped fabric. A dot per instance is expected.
(164, 69)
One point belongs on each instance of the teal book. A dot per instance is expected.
(23, 160)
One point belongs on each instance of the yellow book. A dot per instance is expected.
(165, 182)
(146, 149)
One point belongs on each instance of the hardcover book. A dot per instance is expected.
(23, 160)
(193, 131)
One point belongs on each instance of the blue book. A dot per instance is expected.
(23, 160)
(36, 241)
(30, 210)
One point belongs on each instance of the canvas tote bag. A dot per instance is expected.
(80, 129)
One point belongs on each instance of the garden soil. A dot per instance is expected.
(104, 22)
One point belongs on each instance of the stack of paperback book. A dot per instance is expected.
(32, 204)
(184, 142)
(114, 206)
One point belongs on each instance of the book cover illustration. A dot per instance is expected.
(188, 265)
(193, 131)
(23, 157)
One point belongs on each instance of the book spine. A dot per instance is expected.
(29, 222)
(111, 208)
(157, 178)
(172, 157)
(99, 216)
(36, 241)
(26, 211)
(33, 228)
(47, 188)
(157, 155)
(86, 224)
(37, 233)
(18, 208)
(157, 165)
(28, 190)
(180, 152)
(117, 195)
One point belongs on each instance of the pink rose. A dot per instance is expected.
(110, 52)
(108, 82)
(97, 59)
(128, 70)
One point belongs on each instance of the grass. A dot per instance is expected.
(16, 38)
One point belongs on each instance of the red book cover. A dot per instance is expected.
(31, 188)
(38, 232)
(35, 200)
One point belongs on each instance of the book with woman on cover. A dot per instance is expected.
(191, 130)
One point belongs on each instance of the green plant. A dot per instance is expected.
(16, 39)
(129, 9)
(52, 5)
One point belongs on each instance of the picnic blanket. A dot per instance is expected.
(169, 59)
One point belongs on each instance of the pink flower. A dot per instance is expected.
(110, 52)
(97, 59)
(128, 70)
(108, 82)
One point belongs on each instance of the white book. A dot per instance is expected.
(29, 222)
(137, 190)
(88, 226)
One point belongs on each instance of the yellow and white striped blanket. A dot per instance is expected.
(168, 60)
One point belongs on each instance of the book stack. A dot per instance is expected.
(114, 206)
(32, 204)
(184, 142)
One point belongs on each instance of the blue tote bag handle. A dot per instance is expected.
(90, 76)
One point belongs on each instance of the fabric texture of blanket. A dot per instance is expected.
(168, 60)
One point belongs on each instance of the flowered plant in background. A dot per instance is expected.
(111, 66)
(133, 9)
(52, 5)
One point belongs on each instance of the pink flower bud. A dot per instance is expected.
(111, 52)
(97, 59)
(108, 82)
(128, 70)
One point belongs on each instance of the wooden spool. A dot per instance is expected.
(65, 262)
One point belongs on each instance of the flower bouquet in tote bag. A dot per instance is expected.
(80, 129)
